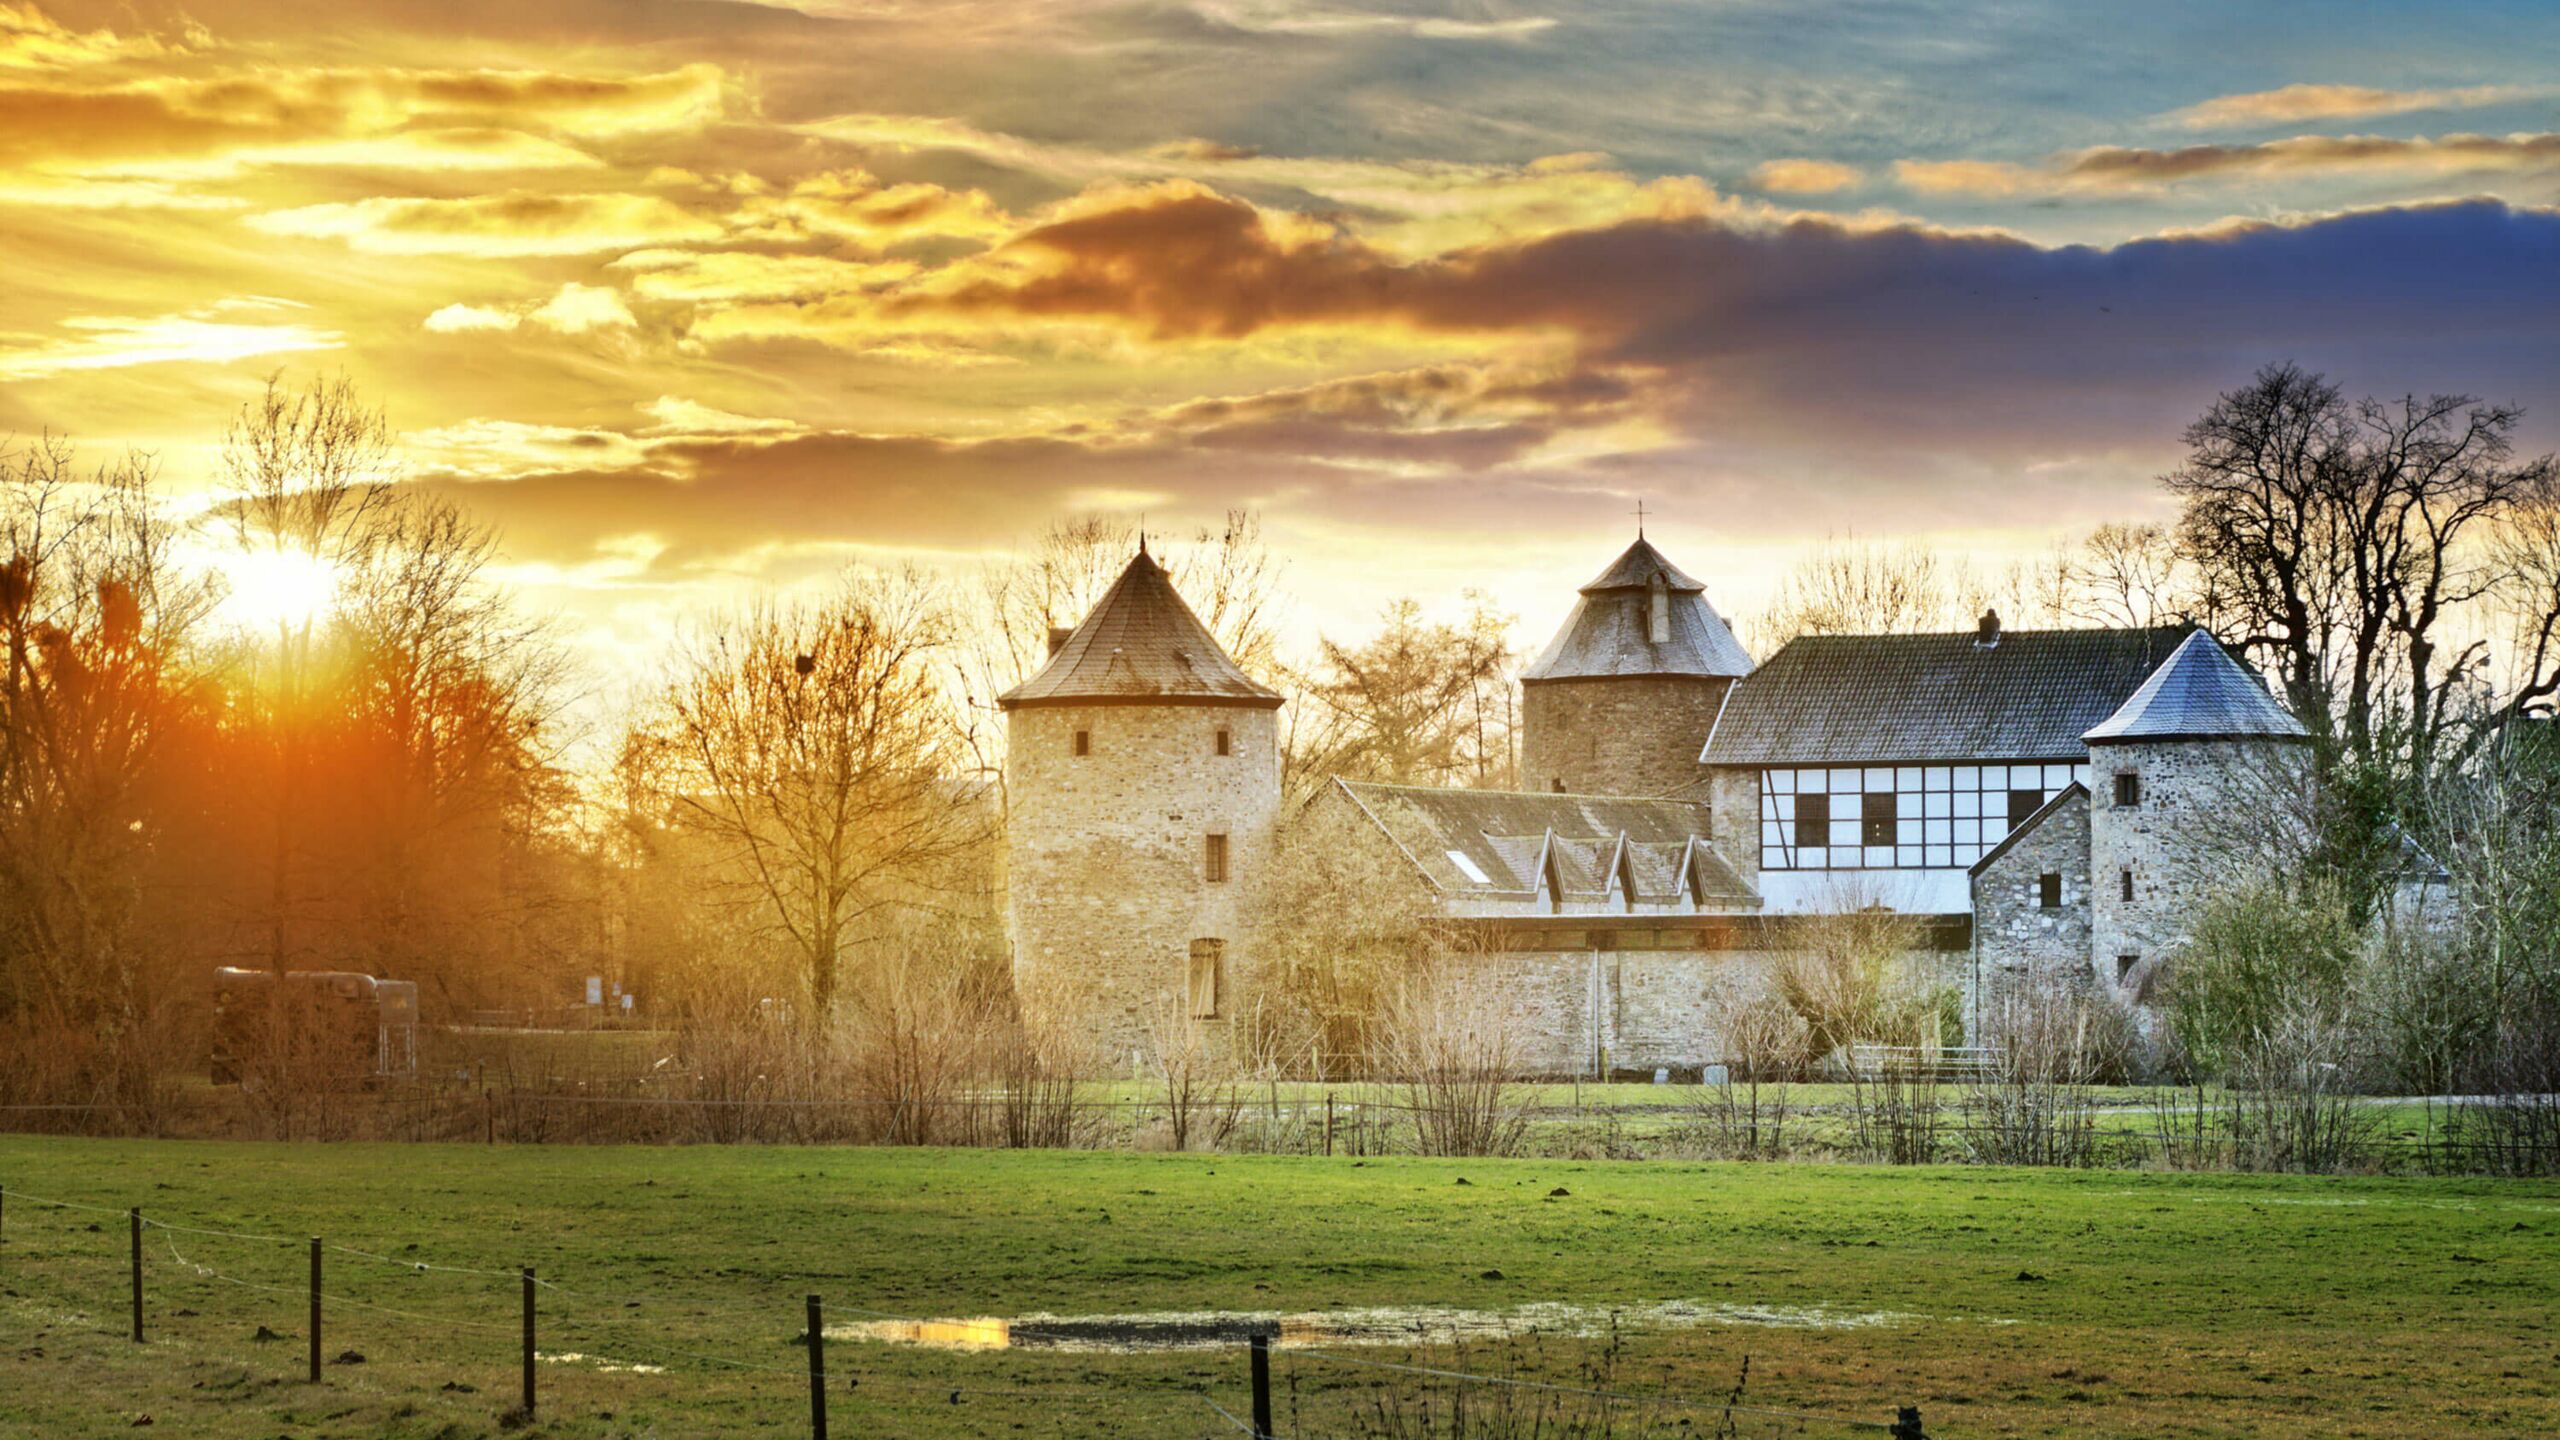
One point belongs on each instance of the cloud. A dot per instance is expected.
(734, 275)
(458, 319)
(32, 40)
(676, 416)
(578, 309)
(107, 342)
(382, 118)
(2117, 169)
(1805, 177)
(854, 206)
(506, 223)
(2295, 104)
(1290, 17)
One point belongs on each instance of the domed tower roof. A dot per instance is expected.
(1140, 646)
(1611, 633)
(2198, 693)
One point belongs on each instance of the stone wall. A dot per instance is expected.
(2209, 814)
(1634, 736)
(2013, 932)
(1106, 885)
(1733, 798)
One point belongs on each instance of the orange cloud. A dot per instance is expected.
(508, 223)
(1805, 177)
(2294, 104)
(2117, 169)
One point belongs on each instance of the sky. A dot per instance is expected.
(686, 297)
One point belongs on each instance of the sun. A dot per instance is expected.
(268, 589)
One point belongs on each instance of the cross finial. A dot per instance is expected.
(1639, 519)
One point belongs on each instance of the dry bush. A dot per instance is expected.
(1358, 920)
(1848, 975)
(2050, 1041)
(917, 1030)
(1035, 1072)
(1202, 1101)
(1745, 1115)
(1454, 1054)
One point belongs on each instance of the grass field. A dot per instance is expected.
(2002, 1302)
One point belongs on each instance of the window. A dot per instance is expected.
(1875, 818)
(1813, 821)
(1084, 743)
(2128, 883)
(1226, 741)
(1208, 977)
(2128, 788)
(2124, 967)
(1469, 868)
(2023, 804)
(2049, 890)
(1556, 784)
(1216, 866)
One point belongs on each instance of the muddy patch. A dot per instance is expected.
(1383, 1325)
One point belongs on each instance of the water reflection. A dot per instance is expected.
(1379, 1325)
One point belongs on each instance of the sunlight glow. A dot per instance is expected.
(270, 588)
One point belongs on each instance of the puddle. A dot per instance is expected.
(572, 1357)
(1386, 1325)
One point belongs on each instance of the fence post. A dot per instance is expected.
(817, 1373)
(1261, 1386)
(316, 1310)
(1328, 1122)
(135, 1215)
(528, 1342)
(488, 1115)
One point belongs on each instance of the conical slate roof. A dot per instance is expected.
(2198, 693)
(1141, 645)
(1609, 635)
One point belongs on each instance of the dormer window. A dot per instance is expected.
(1658, 618)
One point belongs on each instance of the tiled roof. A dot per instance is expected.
(1140, 645)
(2199, 693)
(1880, 699)
(1610, 632)
(1504, 834)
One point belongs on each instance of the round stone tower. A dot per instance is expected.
(1620, 702)
(2187, 781)
(1142, 776)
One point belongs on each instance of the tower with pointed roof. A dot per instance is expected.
(1142, 777)
(2184, 775)
(1618, 701)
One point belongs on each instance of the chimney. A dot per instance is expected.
(1058, 637)
(1988, 636)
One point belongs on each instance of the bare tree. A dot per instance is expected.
(2334, 540)
(2128, 575)
(811, 743)
(1419, 704)
(1853, 588)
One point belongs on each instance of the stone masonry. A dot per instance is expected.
(2203, 809)
(2016, 935)
(1616, 735)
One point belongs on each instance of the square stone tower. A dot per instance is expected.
(1142, 777)
(1621, 701)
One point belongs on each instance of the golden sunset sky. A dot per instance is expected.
(687, 296)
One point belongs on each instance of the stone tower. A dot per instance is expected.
(2185, 780)
(1142, 776)
(1621, 701)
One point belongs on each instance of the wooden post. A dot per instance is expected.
(1261, 1386)
(1328, 1122)
(489, 1115)
(817, 1373)
(315, 1309)
(528, 1342)
(135, 1215)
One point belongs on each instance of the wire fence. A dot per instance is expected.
(2491, 1135)
(521, 1337)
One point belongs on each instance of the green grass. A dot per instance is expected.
(2159, 1305)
